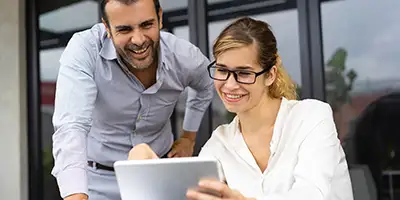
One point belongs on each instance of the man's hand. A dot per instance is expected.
(184, 146)
(79, 196)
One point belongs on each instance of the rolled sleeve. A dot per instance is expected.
(200, 93)
(76, 92)
(192, 119)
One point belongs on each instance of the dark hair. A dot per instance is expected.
(126, 2)
(247, 31)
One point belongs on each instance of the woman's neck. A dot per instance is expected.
(260, 117)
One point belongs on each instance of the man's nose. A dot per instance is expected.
(138, 38)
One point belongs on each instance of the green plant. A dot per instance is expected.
(339, 81)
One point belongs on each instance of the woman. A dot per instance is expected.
(276, 148)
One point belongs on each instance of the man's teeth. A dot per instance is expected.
(140, 50)
(231, 96)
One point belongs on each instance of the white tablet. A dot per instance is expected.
(166, 179)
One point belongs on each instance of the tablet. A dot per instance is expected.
(166, 179)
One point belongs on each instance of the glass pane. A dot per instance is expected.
(216, 1)
(57, 24)
(285, 27)
(69, 18)
(361, 50)
(168, 5)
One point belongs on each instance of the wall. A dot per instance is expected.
(13, 133)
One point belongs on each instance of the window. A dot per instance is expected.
(361, 48)
(57, 24)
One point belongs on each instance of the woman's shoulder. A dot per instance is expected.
(226, 130)
(311, 108)
(221, 136)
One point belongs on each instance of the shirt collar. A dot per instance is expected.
(280, 120)
(240, 146)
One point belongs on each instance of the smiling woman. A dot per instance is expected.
(234, 49)
(276, 147)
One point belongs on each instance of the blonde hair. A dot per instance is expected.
(247, 31)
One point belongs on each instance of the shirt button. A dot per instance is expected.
(134, 132)
(139, 117)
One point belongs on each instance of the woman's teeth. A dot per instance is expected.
(231, 96)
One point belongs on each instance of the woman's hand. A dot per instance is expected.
(142, 152)
(211, 189)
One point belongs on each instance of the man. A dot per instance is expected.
(117, 87)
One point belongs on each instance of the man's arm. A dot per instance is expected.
(75, 95)
(200, 93)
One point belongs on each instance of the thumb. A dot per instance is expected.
(153, 155)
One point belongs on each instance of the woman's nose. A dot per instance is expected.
(231, 83)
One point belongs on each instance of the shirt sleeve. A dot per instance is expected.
(200, 92)
(318, 159)
(74, 101)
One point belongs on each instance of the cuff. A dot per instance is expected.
(72, 181)
(192, 120)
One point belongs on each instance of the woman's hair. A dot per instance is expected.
(247, 31)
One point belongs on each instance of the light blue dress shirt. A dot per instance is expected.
(102, 111)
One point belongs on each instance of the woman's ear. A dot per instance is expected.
(271, 76)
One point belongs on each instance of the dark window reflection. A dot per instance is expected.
(362, 84)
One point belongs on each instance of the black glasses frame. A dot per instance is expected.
(235, 74)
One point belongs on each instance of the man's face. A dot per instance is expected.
(135, 31)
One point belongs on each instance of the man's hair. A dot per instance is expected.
(126, 2)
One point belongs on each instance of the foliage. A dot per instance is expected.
(339, 82)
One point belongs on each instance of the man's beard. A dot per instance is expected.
(132, 62)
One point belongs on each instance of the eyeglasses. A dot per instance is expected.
(241, 76)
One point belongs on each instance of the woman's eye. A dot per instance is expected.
(245, 73)
(222, 70)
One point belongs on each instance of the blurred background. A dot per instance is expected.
(344, 52)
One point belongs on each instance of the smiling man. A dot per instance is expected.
(117, 87)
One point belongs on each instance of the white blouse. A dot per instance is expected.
(307, 161)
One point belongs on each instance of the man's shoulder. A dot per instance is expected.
(179, 48)
(93, 36)
(84, 45)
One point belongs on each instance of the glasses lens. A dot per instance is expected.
(246, 77)
(218, 73)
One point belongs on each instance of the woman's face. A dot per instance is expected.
(240, 97)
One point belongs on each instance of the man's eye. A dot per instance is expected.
(147, 25)
(123, 31)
